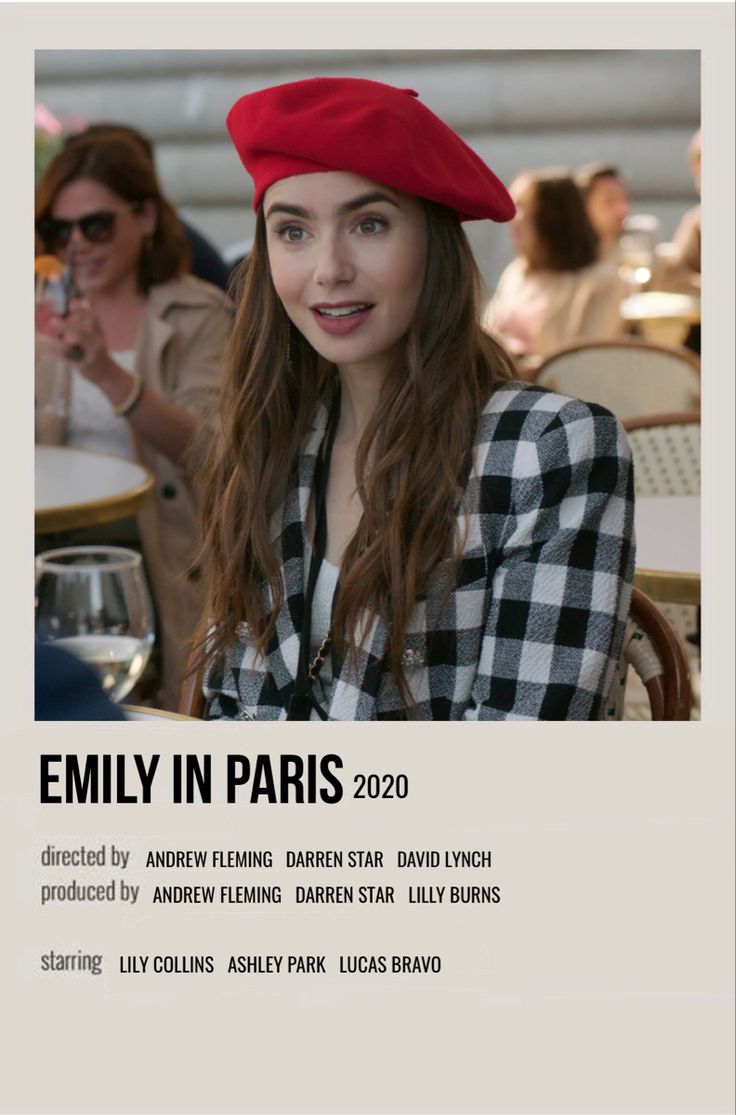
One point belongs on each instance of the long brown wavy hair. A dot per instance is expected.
(123, 167)
(418, 443)
(565, 238)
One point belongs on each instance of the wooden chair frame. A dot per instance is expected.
(620, 342)
(669, 693)
(674, 418)
(191, 697)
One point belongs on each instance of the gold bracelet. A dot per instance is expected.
(135, 393)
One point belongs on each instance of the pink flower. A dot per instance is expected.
(46, 121)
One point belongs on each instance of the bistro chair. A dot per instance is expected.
(630, 377)
(666, 452)
(191, 697)
(653, 650)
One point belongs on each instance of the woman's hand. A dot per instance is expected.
(78, 338)
(83, 344)
(164, 425)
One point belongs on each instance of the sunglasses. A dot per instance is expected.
(98, 227)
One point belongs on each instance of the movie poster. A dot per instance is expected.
(363, 917)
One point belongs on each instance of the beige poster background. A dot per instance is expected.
(600, 982)
(603, 979)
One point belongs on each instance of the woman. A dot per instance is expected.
(681, 271)
(393, 529)
(607, 204)
(557, 290)
(145, 339)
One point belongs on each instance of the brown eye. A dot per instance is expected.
(290, 234)
(371, 225)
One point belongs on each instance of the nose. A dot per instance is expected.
(333, 263)
(76, 239)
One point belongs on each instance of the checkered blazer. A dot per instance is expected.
(535, 617)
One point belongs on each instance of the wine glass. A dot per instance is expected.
(53, 374)
(94, 602)
(636, 250)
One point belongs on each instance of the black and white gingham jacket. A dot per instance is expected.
(535, 619)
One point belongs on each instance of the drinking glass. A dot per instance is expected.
(53, 374)
(636, 251)
(94, 602)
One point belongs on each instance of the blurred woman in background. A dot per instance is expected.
(682, 272)
(557, 290)
(607, 204)
(145, 339)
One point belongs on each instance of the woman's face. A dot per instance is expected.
(523, 227)
(107, 266)
(347, 259)
(608, 206)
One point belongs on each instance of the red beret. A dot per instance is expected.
(366, 128)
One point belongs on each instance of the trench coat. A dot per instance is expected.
(533, 623)
(180, 346)
(179, 354)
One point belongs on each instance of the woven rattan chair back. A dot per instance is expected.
(629, 377)
(666, 449)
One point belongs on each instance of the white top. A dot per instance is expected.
(92, 424)
(324, 592)
(535, 313)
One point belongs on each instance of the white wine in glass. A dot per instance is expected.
(94, 602)
(636, 250)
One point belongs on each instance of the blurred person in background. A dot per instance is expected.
(678, 268)
(206, 262)
(557, 290)
(687, 235)
(145, 339)
(606, 203)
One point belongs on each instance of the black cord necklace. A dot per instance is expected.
(302, 703)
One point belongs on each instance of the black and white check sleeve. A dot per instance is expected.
(562, 575)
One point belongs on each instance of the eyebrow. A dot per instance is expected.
(347, 206)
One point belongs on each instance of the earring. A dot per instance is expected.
(288, 346)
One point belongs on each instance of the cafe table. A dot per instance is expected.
(662, 316)
(80, 488)
(668, 548)
(138, 712)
